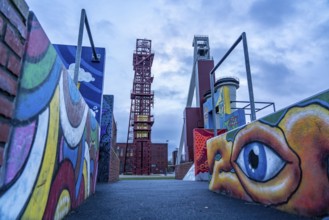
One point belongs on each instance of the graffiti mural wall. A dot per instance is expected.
(51, 158)
(280, 160)
(200, 137)
(106, 138)
(91, 74)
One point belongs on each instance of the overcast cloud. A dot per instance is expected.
(288, 44)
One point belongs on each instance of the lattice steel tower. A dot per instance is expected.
(138, 149)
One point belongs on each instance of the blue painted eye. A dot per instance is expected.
(259, 162)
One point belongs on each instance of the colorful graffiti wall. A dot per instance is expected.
(51, 157)
(91, 74)
(200, 137)
(280, 160)
(227, 115)
(106, 138)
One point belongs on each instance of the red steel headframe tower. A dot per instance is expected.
(138, 148)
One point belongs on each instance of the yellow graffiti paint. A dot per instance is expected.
(227, 100)
(85, 178)
(224, 100)
(36, 206)
(220, 96)
(63, 206)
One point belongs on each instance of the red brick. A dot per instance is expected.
(14, 17)
(1, 26)
(14, 65)
(6, 107)
(1, 156)
(114, 167)
(8, 83)
(14, 42)
(3, 54)
(22, 7)
(182, 169)
(4, 133)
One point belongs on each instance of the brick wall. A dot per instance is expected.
(159, 158)
(114, 158)
(182, 169)
(114, 166)
(13, 32)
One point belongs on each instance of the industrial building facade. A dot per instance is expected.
(159, 157)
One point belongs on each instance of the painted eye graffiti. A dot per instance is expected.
(259, 162)
(268, 169)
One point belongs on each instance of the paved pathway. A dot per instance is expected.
(168, 199)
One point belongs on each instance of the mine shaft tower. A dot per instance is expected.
(138, 148)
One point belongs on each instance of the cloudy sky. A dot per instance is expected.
(288, 44)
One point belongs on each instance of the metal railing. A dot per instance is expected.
(260, 106)
(242, 38)
(95, 56)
